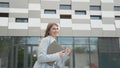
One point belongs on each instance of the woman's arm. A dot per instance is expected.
(48, 58)
(43, 56)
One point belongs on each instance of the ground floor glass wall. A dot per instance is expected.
(109, 52)
(86, 52)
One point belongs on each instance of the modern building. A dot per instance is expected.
(91, 28)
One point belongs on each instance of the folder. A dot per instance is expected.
(54, 47)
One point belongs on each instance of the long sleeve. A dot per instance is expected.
(62, 60)
(42, 52)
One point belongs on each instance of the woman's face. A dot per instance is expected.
(54, 31)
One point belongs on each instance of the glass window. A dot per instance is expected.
(93, 48)
(93, 40)
(4, 14)
(33, 40)
(47, 11)
(69, 62)
(67, 7)
(116, 8)
(86, 51)
(20, 40)
(119, 42)
(94, 56)
(64, 16)
(24, 20)
(5, 45)
(81, 41)
(92, 7)
(117, 17)
(95, 17)
(82, 56)
(65, 40)
(4, 4)
(80, 12)
(109, 60)
(32, 55)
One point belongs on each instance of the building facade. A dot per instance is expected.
(90, 28)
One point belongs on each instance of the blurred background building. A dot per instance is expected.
(91, 28)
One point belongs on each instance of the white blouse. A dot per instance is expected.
(42, 56)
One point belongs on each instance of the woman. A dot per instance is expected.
(42, 58)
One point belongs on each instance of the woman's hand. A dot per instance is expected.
(67, 51)
(61, 53)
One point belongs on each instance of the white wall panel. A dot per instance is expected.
(65, 23)
(34, 22)
(18, 25)
(81, 27)
(5, 10)
(108, 27)
(107, 14)
(34, 6)
(3, 21)
(66, 11)
(54, 16)
(95, 13)
(80, 17)
(18, 10)
(43, 26)
(96, 24)
(117, 24)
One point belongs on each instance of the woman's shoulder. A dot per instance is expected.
(47, 39)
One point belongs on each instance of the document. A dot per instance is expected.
(54, 47)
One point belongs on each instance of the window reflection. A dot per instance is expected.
(69, 62)
(65, 7)
(26, 40)
(119, 42)
(95, 17)
(32, 55)
(117, 17)
(48, 11)
(93, 48)
(93, 56)
(65, 40)
(93, 53)
(85, 54)
(21, 20)
(4, 51)
(19, 40)
(109, 60)
(80, 12)
(116, 8)
(95, 7)
(81, 56)
(93, 40)
(86, 51)
(81, 41)
(33, 40)
(4, 4)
